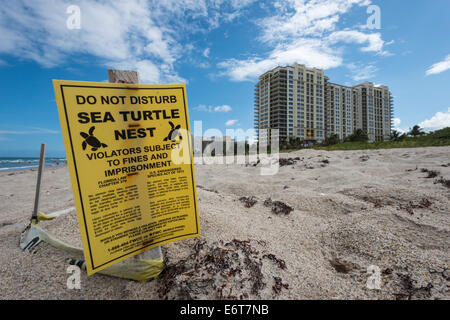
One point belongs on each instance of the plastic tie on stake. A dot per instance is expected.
(140, 268)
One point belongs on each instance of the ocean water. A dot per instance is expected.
(12, 164)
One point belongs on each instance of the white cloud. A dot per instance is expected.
(240, 4)
(396, 122)
(122, 34)
(206, 53)
(438, 121)
(204, 108)
(224, 108)
(137, 34)
(304, 32)
(373, 40)
(362, 72)
(230, 123)
(311, 52)
(439, 67)
(151, 36)
(294, 19)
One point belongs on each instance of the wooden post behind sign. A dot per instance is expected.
(126, 76)
(123, 76)
(34, 216)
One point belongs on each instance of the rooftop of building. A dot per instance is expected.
(278, 68)
(363, 84)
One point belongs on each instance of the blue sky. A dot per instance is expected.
(218, 48)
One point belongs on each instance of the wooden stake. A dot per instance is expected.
(123, 76)
(35, 217)
(126, 76)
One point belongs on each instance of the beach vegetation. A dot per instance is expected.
(438, 138)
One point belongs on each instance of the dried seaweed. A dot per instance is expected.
(279, 285)
(423, 204)
(256, 163)
(378, 203)
(445, 273)
(6, 223)
(431, 173)
(387, 271)
(364, 158)
(256, 276)
(278, 207)
(444, 182)
(340, 265)
(286, 162)
(248, 201)
(167, 277)
(407, 284)
(227, 271)
(281, 263)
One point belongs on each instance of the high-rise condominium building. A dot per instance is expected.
(292, 100)
(301, 103)
(339, 110)
(373, 108)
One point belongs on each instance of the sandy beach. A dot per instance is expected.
(350, 210)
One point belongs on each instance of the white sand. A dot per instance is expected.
(350, 211)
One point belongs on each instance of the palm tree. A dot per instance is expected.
(416, 131)
(397, 135)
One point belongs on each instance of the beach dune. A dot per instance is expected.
(318, 229)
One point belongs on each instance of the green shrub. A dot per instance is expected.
(358, 136)
(331, 140)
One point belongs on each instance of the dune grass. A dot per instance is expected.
(437, 138)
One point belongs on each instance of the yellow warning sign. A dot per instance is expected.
(129, 153)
